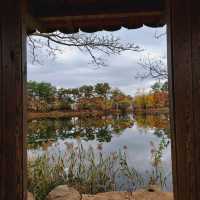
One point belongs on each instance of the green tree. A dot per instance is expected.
(102, 89)
(75, 94)
(46, 91)
(86, 91)
(156, 87)
(116, 93)
(32, 88)
(165, 87)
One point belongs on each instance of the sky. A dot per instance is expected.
(72, 68)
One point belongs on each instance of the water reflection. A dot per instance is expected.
(43, 132)
(146, 138)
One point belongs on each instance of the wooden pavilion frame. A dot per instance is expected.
(18, 17)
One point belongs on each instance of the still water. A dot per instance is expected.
(139, 136)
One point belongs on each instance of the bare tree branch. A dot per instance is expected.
(159, 35)
(153, 68)
(93, 44)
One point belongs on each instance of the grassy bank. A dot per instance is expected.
(65, 114)
(90, 171)
(85, 170)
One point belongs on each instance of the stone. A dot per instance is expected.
(30, 196)
(63, 192)
(153, 195)
(153, 188)
(138, 195)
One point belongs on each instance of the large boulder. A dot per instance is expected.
(138, 195)
(30, 196)
(108, 196)
(153, 188)
(153, 195)
(63, 192)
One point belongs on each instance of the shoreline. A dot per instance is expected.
(66, 114)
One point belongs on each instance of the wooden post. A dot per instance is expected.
(12, 101)
(184, 79)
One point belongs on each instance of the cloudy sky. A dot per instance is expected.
(72, 69)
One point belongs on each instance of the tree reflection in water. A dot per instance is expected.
(159, 123)
(42, 133)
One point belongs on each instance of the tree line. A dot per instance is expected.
(156, 98)
(44, 97)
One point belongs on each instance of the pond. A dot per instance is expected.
(144, 138)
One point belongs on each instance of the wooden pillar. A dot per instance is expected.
(184, 79)
(12, 101)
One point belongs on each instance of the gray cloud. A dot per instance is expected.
(71, 69)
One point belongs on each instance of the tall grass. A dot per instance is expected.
(85, 170)
(157, 175)
(43, 177)
(90, 171)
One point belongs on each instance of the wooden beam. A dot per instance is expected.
(56, 8)
(184, 74)
(93, 15)
(32, 25)
(12, 101)
(101, 22)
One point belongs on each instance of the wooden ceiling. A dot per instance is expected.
(70, 16)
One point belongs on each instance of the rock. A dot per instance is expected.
(153, 195)
(153, 188)
(63, 192)
(30, 196)
(108, 196)
(139, 195)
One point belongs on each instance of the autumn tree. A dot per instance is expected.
(64, 99)
(156, 98)
(140, 100)
(100, 97)
(42, 93)
(121, 102)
